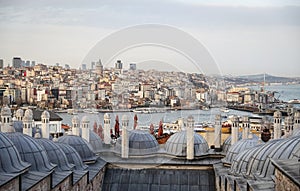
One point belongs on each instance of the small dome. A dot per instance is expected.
(45, 114)
(72, 156)
(18, 126)
(28, 113)
(5, 111)
(176, 144)
(238, 147)
(227, 142)
(75, 119)
(95, 142)
(10, 159)
(85, 119)
(296, 132)
(83, 148)
(55, 154)
(31, 152)
(19, 113)
(277, 114)
(141, 143)
(106, 116)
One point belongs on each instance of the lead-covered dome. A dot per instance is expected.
(72, 156)
(10, 159)
(177, 143)
(5, 111)
(238, 147)
(142, 143)
(95, 142)
(31, 151)
(19, 113)
(83, 148)
(45, 114)
(85, 119)
(55, 154)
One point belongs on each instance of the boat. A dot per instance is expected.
(224, 109)
(294, 101)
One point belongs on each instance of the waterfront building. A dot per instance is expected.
(17, 62)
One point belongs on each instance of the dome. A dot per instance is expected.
(55, 154)
(238, 147)
(45, 114)
(85, 119)
(284, 150)
(106, 116)
(83, 148)
(258, 158)
(31, 152)
(296, 132)
(10, 159)
(75, 119)
(227, 142)
(95, 142)
(19, 113)
(176, 144)
(277, 114)
(18, 126)
(5, 111)
(125, 118)
(141, 143)
(72, 156)
(28, 113)
(240, 162)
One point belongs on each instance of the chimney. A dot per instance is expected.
(27, 123)
(45, 124)
(235, 130)
(75, 130)
(190, 138)
(85, 129)
(218, 131)
(125, 140)
(246, 127)
(277, 125)
(107, 137)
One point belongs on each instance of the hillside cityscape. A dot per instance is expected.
(59, 88)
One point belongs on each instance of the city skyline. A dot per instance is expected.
(246, 37)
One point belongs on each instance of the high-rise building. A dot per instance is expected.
(119, 64)
(32, 63)
(132, 66)
(1, 64)
(83, 66)
(93, 65)
(17, 62)
(99, 68)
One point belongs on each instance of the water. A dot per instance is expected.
(285, 93)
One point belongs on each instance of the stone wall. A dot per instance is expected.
(97, 182)
(65, 185)
(43, 185)
(12, 185)
(81, 184)
(283, 183)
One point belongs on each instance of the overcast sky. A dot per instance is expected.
(243, 37)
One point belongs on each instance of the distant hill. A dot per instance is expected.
(268, 78)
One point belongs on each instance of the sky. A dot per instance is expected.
(242, 37)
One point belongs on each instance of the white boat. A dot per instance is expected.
(224, 109)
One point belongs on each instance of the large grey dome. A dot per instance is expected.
(95, 142)
(238, 147)
(258, 158)
(72, 156)
(240, 161)
(284, 150)
(55, 154)
(83, 148)
(176, 144)
(31, 152)
(141, 142)
(10, 159)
